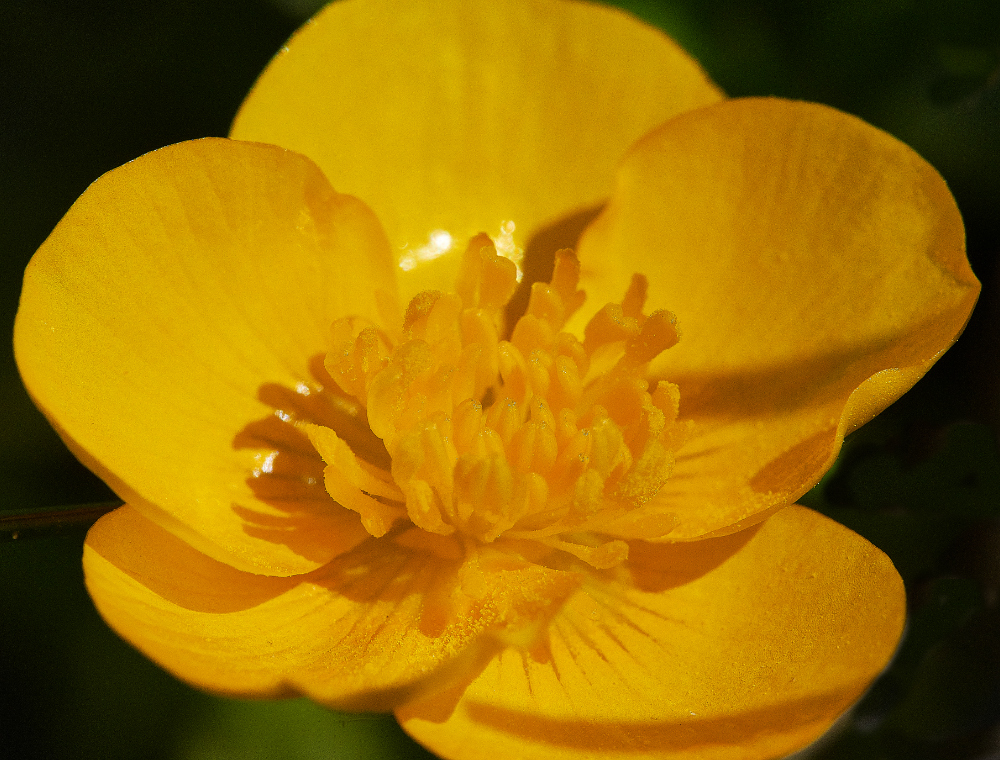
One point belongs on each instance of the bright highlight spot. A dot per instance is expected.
(506, 247)
(265, 464)
(438, 244)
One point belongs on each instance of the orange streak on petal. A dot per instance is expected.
(738, 648)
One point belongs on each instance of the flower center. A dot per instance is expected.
(539, 438)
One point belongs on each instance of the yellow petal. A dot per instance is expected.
(817, 269)
(747, 646)
(356, 634)
(170, 316)
(459, 115)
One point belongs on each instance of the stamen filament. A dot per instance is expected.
(539, 438)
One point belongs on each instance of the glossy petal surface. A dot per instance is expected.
(746, 646)
(174, 311)
(174, 326)
(817, 269)
(356, 634)
(459, 115)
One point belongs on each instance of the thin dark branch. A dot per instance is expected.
(44, 522)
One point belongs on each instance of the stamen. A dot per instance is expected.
(601, 557)
(355, 484)
(541, 438)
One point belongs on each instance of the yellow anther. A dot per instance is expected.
(635, 297)
(391, 395)
(542, 437)
(546, 305)
(567, 345)
(485, 279)
(358, 351)
(566, 386)
(439, 457)
(443, 328)
(465, 381)
(505, 417)
(573, 459)
(521, 448)
(371, 353)
(478, 330)
(608, 453)
(609, 325)
(566, 428)
(419, 309)
(513, 372)
(657, 334)
(542, 413)
(533, 447)
(565, 277)
(588, 496)
(499, 280)
(484, 490)
(532, 333)
(667, 397)
(539, 369)
(423, 508)
(467, 424)
(469, 280)
(354, 485)
(622, 397)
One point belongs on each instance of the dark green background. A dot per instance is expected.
(87, 86)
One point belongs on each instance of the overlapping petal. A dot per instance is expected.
(359, 633)
(162, 318)
(172, 328)
(746, 646)
(459, 115)
(817, 269)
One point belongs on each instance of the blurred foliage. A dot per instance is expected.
(86, 85)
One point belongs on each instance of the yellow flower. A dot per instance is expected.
(574, 543)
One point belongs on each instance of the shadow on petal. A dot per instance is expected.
(141, 549)
(359, 633)
(749, 653)
(539, 256)
(788, 471)
(288, 475)
(658, 567)
(763, 435)
(667, 736)
(810, 381)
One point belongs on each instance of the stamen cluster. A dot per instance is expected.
(541, 437)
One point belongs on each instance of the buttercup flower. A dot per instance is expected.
(363, 461)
